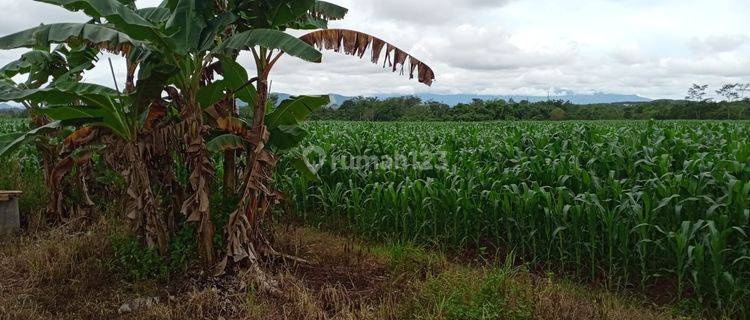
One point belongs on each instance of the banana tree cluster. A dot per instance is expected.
(178, 107)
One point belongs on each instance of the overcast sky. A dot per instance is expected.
(528, 47)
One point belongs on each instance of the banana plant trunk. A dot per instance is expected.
(143, 212)
(230, 164)
(49, 158)
(261, 163)
(230, 173)
(49, 154)
(197, 206)
(243, 229)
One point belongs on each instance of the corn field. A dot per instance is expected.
(12, 125)
(629, 204)
(27, 155)
(632, 204)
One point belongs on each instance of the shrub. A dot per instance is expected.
(138, 262)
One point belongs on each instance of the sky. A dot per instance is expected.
(655, 49)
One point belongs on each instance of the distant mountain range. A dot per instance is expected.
(454, 99)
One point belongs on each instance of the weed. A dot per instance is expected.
(138, 262)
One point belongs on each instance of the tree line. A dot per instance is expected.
(734, 105)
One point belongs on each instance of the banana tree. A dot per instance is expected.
(71, 102)
(279, 130)
(103, 116)
(40, 66)
(197, 55)
(181, 88)
(173, 47)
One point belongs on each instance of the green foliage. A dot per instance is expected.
(182, 249)
(330, 10)
(264, 14)
(271, 39)
(64, 32)
(103, 107)
(236, 79)
(222, 205)
(135, 261)
(295, 110)
(61, 93)
(138, 262)
(409, 258)
(186, 24)
(225, 142)
(117, 14)
(284, 122)
(10, 142)
(557, 114)
(21, 172)
(464, 294)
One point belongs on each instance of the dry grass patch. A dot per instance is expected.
(57, 274)
(66, 273)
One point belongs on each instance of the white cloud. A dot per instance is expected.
(652, 48)
(24, 14)
(431, 12)
(485, 48)
(718, 43)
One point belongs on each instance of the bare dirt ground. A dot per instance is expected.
(65, 273)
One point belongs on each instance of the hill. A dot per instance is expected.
(7, 106)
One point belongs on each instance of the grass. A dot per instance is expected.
(65, 273)
(54, 273)
(487, 293)
(444, 289)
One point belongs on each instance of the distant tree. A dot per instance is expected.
(497, 108)
(438, 110)
(417, 113)
(729, 92)
(697, 93)
(558, 114)
(743, 89)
